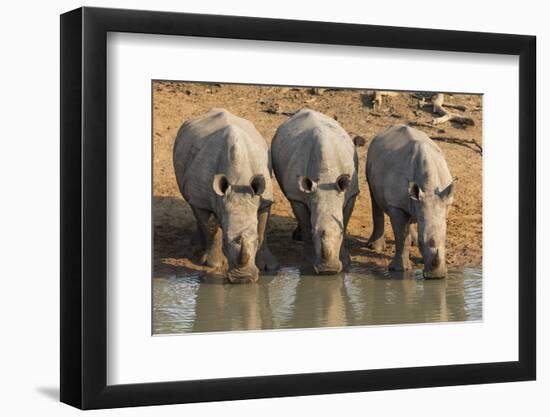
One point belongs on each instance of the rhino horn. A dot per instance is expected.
(436, 260)
(244, 256)
(325, 250)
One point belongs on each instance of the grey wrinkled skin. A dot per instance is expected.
(409, 180)
(223, 170)
(315, 163)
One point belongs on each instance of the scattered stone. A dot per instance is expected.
(373, 98)
(276, 109)
(317, 91)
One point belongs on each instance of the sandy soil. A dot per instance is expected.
(268, 107)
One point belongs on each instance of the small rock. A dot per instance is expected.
(316, 91)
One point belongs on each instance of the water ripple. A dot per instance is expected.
(185, 303)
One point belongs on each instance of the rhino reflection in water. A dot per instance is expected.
(354, 300)
(321, 302)
(309, 301)
(315, 163)
(223, 170)
(293, 301)
(232, 307)
(386, 300)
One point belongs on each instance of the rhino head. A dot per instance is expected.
(326, 206)
(430, 207)
(238, 216)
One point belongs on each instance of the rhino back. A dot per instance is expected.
(219, 142)
(400, 155)
(313, 145)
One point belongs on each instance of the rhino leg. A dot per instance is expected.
(199, 237)
(209, 226)
(265, 261)
(301, 212)
(400, 222)
(414, 236)
(345, 258)
(376, 241)
(297, 234)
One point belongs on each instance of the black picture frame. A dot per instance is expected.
(84, 207)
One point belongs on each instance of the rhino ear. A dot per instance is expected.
(447, 192)
(257, 183)
(342, 183)
(359, 141)
(415, 192)
(306, 185)
(220, 184)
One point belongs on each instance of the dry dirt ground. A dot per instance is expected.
(267, 107)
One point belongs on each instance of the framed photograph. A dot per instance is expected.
(257, 208)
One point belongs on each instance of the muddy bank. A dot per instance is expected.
(267, 108)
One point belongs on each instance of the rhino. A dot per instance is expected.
(223, 170)
(315, 163)
(409, 180)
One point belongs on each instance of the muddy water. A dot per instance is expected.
(188, 303)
